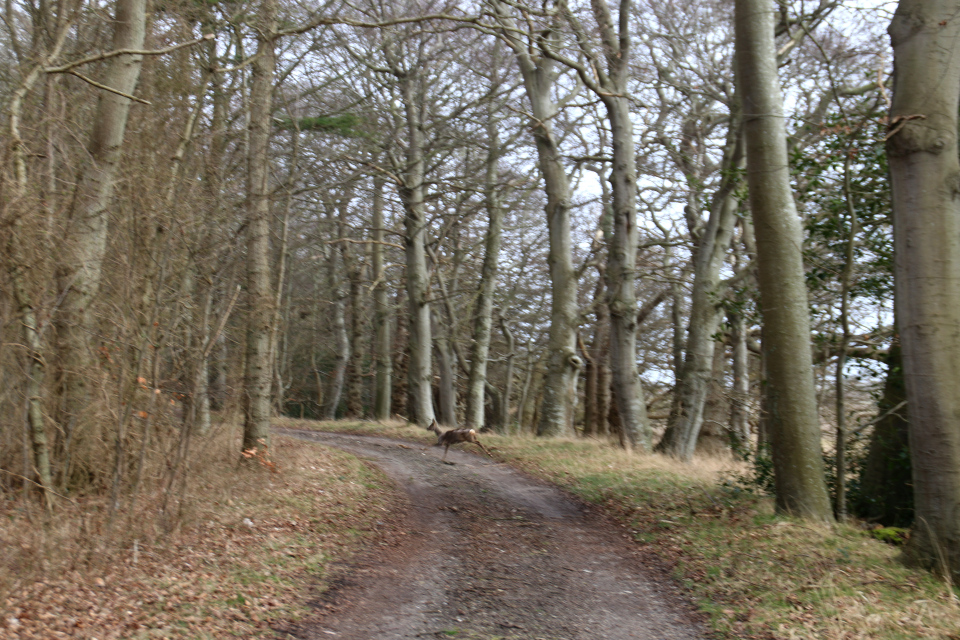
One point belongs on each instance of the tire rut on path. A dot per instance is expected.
(489, 553)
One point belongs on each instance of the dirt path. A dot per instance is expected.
(489, 553)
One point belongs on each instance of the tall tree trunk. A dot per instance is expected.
(81, 257)
(846, 278)
(258, 368)
(355, 385)
(19, 267)
(508, 376)
(563, 363)
(739, 414)
(793, 422)
(610, 85)
(382, 357)
(401, 355)
(419, 372)
(621, 262)
(447, 389)
(922, 148)
(681, 436)
(483, 316)
(331, 400)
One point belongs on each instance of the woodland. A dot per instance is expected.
(668, 225)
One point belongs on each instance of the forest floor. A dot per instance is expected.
(753, 574)
(486, 552)
(315, 542)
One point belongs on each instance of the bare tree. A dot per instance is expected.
(791, 397)
(260, 295)
(922, 148)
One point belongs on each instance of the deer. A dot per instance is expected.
(453, 436)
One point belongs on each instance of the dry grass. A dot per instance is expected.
(247, 547)
(757, 575)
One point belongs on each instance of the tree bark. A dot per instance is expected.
(508, 376)
(682, 435)
(622, 251)
(483, 316)
(922, 148)
(793, 421)
(382, 360)
(563, 364)
(335, 267)
(258, 368)
(420, 341)
(81, 256)
(447, 390)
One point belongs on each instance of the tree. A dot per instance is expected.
(260, 318)
(790, 394)
(925, 172)
(606, 74)
(80, 268)
(563, 364)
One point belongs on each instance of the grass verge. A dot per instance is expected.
(757, 575)
(249, 548)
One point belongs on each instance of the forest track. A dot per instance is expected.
(485, 552)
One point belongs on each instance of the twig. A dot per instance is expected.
(125, 52)
(42, 488)
(110, 89)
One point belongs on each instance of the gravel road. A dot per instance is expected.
(485, 552)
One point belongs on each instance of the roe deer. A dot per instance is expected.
(453, 436)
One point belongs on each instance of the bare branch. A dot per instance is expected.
(110, 89)
(67, 68)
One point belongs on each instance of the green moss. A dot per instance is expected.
(891, 535)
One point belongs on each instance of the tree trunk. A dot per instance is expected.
(681, 436)
(447, 388)
(739, 413)
(713, 438)
(922, 148)
(621, 261)
(508, 376)
(354, 408)
(382, 360)
(886, 490)
(793, 422)
(483, 316)
(846, 278)
(401, 355)
(419, 372)
(81, 257)
(258, 367)
(331, 400)
(563, 364)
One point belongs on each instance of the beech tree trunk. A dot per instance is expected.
(335, 268)
(739, 413)
(563, 364)
(446, 386)
(922, 148)
(793, 421)
(420, 340)
(508, 376)
(81, 256)
(483, 316)
(382, 357)
(622, 252)
(258, 371)
(680, 439)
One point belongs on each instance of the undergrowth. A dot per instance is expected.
(755, 574)
(246, 547)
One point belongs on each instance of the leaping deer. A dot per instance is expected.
(453, 436)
